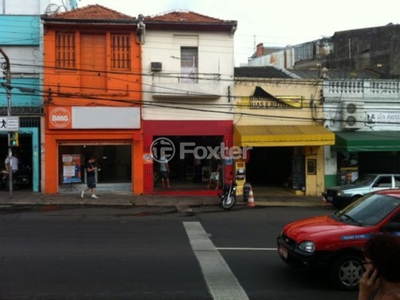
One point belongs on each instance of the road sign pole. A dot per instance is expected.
(7, 86)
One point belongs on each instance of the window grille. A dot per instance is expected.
(65, 50)
(120, 52)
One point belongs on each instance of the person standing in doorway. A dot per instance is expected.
(216, 168)
(164, 171)
(90, 178)
(13, 160)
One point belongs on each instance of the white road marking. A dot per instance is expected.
(247, 249)
(219, 277)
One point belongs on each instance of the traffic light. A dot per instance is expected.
(13, 139)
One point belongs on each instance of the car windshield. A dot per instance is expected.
(369, 210)
(366, 179)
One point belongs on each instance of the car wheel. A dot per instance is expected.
(346, 272)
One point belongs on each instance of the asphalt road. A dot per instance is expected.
(152, 253)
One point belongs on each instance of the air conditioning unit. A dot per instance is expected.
(156, 66)
(353, 115)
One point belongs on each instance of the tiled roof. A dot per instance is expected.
(92, 12)
(260, 72)
(183, 17)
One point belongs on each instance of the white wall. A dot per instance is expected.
(215, 56)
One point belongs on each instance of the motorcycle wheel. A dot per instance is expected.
(228, 201)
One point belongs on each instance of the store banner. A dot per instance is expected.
(71, 168)
(75, 117)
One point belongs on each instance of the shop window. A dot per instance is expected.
(120, 52)
(65, 50)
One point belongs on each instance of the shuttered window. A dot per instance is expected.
(65, 50)
(189, 64)
(120, 52)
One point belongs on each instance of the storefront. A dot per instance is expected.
(112, 135)
(286, 155)
(360, 152)
(183, 142)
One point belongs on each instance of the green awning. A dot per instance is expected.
(361, 141)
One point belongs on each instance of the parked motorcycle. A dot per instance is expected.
(228, 196)
(21, 179)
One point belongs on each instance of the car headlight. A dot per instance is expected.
(307, 246)
(340, 193)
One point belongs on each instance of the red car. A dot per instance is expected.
(334, 242)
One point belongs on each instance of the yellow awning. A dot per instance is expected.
(281, 136)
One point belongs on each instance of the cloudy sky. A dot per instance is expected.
(273, 23)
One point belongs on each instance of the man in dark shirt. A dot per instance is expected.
(90, 178)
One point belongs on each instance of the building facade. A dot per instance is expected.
(364, 115)
(187, 63)
(92, 104)
(22, 59)
(280, 120)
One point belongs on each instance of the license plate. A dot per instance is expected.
(283, 251)
(329, 198)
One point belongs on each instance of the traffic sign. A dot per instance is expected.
(9, 123)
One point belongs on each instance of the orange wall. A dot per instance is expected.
(124, 88)
(54, 137)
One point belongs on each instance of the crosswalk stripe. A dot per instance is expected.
(217, 274)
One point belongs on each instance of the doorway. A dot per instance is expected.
(114, 161)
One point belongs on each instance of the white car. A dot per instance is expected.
(341, 196)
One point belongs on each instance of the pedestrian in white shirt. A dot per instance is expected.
(14, 163)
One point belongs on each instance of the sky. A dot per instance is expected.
(273, 23)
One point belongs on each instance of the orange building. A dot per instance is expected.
(92, 99)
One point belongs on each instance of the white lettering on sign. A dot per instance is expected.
(59, 118)
(383, 118)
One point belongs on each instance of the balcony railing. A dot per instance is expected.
(187, 86)
(362, 89)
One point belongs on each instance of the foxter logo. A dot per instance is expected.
(60, 117)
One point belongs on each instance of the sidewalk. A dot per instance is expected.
(127, 199)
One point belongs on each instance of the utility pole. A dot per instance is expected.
(7, 86)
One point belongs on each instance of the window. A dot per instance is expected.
(397, 181)
(65, 50)
(189, 64)
(384, 181)
(120, 52)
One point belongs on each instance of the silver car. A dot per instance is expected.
(341, 196)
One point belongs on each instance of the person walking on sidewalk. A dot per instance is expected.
(90, 178)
